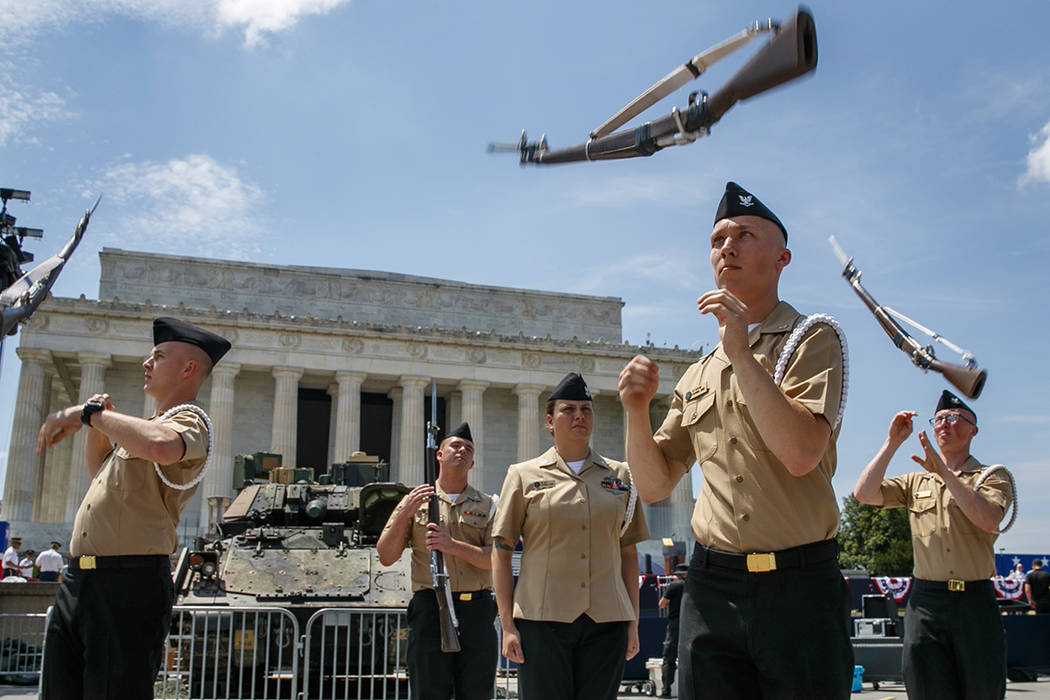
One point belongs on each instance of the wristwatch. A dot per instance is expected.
(90, 409)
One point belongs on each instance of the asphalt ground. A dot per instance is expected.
(1039, 690)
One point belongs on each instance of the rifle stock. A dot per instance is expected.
(968, 380)
(791, 53)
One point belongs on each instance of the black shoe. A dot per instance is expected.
(665, 694)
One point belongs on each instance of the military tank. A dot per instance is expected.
(294, 548)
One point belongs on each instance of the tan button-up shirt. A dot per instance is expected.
(946, 543)
(128, 509)
(467, 520)
(570, 526)
(749, 501)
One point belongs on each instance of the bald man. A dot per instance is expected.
(112, 611)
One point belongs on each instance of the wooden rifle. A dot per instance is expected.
(968, 378)
(438, 572)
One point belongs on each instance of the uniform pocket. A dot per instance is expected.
(696, 413)
(923, 513)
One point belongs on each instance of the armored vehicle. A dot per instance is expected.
(290, 593)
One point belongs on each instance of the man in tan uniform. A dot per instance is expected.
(463, 538)
(954, 644)
(765, 611)
(113, 608)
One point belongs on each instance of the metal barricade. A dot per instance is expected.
(21, 646)
(215, 652)
(356, 653)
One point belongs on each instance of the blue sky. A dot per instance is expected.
(352, 133)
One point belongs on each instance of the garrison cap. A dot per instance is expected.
(571, 388)
(16, 539)
(167, 329)
(950, 400)
(463, 431)
(56, 543)
(739, 202)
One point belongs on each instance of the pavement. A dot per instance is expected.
(1039, 690)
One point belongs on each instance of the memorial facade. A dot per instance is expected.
(325, 362)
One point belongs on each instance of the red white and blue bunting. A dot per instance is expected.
(898, 587)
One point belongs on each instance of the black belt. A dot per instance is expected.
(762, 562)
(90, 562)
(463, 596)
(951, 585)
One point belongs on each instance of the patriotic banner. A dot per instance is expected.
(1009, 588)
(898, 587)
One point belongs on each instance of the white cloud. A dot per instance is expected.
(255, 18)
(1038, 158)
(192, 205)
(24, 109)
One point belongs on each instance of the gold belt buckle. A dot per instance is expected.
(86, 562)
(466, 596)
(761, 562)
(956, 586)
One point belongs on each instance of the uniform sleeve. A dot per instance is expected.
(510, 511)
(191, 427)
(486, 536)
(814, 373)
(996, 489)
(673, 438)
(895, 492)
(390, 521)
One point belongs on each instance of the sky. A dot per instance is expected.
(352, 133)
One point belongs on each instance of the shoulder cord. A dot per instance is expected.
(632, 498)
(211, 443)
(792, 343)
(1013, 488)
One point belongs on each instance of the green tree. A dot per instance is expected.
(879, 539)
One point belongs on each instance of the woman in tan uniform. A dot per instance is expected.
(572, 621)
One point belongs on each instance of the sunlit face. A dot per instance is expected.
(571, 420)
(953, 428)
(747, 255)
(456, 453)
(164, 367)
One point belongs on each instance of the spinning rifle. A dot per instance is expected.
(438, 573)
(968, 378)
(19, 300)
(790, 53)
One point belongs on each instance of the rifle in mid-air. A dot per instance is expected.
(438, 572)
(968, 378)
(23, 293)
(790, 53)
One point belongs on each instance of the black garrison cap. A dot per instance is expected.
(571, 388)
(739, 202)
(56, 543)
(950, 400)
(167, 329)
(463, 431)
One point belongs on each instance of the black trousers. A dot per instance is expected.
(954, 643)
(578, 660)
(670, 663)
(467, 674)
(105, 638)
(782, 634)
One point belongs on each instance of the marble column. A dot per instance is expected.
(528, 420)
(285, 413)
(52, 508)
(347, 415)
(23, 464)
(92, 381)
(218, 480)
(473, 393)
(412, 430)
(395, 433)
